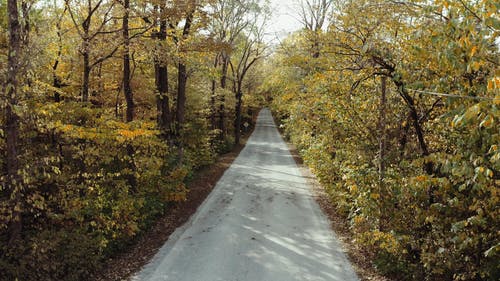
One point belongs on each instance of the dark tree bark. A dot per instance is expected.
(411, 106)
(382, 125)
(181, 97)
(86, 52)
(86, 78)
(12, 126)
(232, 18)
(182, 81)
(415, 119)
(56, 80)
(87, 36)
(429, 165)
(414, 116)
(182, 78)
(164, 117)
(239, 75)
(237, 120)
(86, 69)
(222, 106)
(127, 91)
(403, 140)
(315, 48)
(127, 88)
(162, 101)
(213, 97)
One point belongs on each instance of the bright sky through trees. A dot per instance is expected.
(283, 20)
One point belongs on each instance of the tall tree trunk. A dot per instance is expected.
(86, 71)
(182, 80)
(237, 119)
(315, 45)
(181, 97)
(382, 155)
(181, 90)
(12, 126)
(164, 117)
(213, 97)
(239, 77)
(181, 106)
(86, 54)
(56, 81)
(213, 105)
(222, 106)
(127, 89)
(382, 139)
(162, 101)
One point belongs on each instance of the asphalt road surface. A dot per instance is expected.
(260, 223)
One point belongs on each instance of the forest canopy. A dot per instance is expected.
(395, 105)
(109, 107)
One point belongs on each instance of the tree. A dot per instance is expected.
(79, 180)
(229, 20)
(13, 181)
(250, 51)
(185, 13)
(56, 80)
(429, 209)
(127, 88)
(164, 116)
(313, 17)
(182, 74)
(83, 17)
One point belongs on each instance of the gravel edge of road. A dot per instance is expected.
(360, 258)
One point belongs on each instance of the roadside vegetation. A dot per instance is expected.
(395, 105)
(107, 109)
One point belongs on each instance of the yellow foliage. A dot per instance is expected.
(496, 100)
(490, 85)
(421, 178)
(358, 220)
(473, 51)
(131, 134)
(384, 240)
(476, 65)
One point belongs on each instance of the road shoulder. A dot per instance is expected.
(360, 258)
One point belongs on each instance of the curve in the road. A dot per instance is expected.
(260, 223)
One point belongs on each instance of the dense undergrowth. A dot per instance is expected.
(92, 185)
(416, 173)
(107, 110)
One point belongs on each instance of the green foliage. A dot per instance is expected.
(421, 224)
(93, 184)
(88, 183)
(69, 254)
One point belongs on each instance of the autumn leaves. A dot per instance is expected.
(433, 214)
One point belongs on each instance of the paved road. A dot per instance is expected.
(259, 224)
